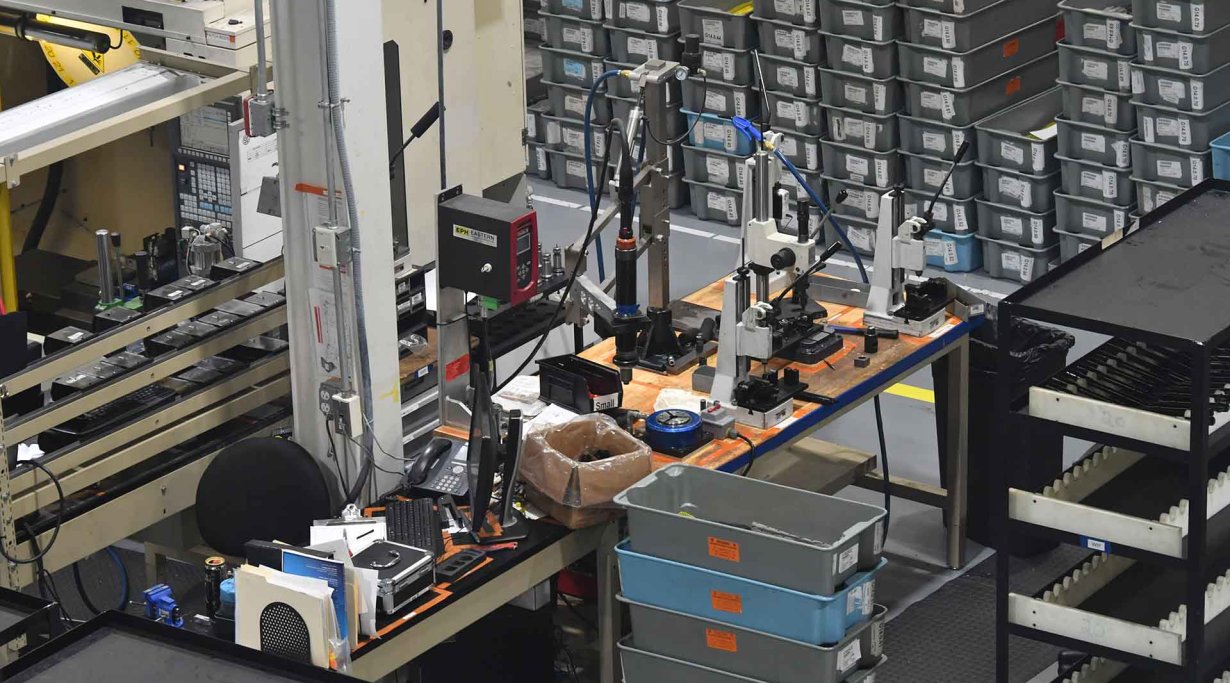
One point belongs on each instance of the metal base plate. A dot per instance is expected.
(764, 419)
(914, 328)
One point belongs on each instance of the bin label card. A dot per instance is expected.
(847, 559)
(848, 656)
(725, 641)
(723, 549)
(726, 602)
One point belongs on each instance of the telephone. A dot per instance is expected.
(440, 468)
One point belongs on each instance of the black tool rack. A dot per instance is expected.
(1165, 285)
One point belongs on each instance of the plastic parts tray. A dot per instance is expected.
(952, 253)
(964, 32)
(801, 12)
(951, 6)
(796, 113)
(570, 68)
(874, 59)
(569, 135)
(1031, 192)
(1095, 181)
(1089, 216)
(1093, 23)
(751, 653)
(1185, 16)
(1005, 139)
(720, 98)
(713, 21)
(584, 9)
(801, 149)
(953, 216)
(1194, 131)
(783, 39)
(1095, 143)
(878, 169)
(821, 541)
(935, 138)
(805, 617)
(568, 170)
(852, 91)
(652, 16)
(927, 64)
(1014, 262)
(965, 106)
(1010, 224)
(862, 202)
(642, 667)
(1177, 90)
(1086, 66)
(1153, 195)
(1183, 52)
(574, 33)
(876, 21)
(869, 131)
(862, 234)
(727, 65)
(715, 132)
(1072, 243)
(712, 167)
(569, 101)
(925, 174)
(718, 203)
(1097, 106)
(637, 47)
(785, 75)
(1170, 165)
(537, 162)
(535, 125)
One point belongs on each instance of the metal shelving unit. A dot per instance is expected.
(1150, 502)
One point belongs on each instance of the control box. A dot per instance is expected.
(488, 248)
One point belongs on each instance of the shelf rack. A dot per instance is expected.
(1152, 501)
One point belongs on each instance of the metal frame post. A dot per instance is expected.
(655, 205)
(1197, 482)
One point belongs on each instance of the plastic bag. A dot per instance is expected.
(574, 470)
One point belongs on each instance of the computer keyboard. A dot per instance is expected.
(415, 523)
(93, 422)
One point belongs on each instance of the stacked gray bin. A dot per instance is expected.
(1181, 93)
(962, 62)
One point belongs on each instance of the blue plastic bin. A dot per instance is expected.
(1221, 157)
(715, 132)
(815, 619)
(953, 253)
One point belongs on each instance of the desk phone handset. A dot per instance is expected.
(441, 467)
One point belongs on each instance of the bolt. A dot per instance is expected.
(486, 268)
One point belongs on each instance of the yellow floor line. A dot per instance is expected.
(907, 391)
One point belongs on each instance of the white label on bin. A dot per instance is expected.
(1111, 108)
(1110, 185)
(1186, 62)
(854, 600)
(811, 152)
(574, 104)
(1120, 219)
(712, 31)
(574, 69)
(1167, 49)
(1168, 168)
(790, 146)
(787, 7)
(1138, 82)
(847, 128)
(1185, 133)
(1095, 69)
(1010, 260)
(880, 94)
(932, 177)
(852, 17)
(855, 94)
(877, 27)
(740, 103)
(931, 100)
(1012, 152)
(740, 172)
(1125, 75)
(713, 131)
(531, 126)
(940, 212)
(664, 19)
(1096, 32)
(574, 168)
(861, 239)
(1197, 170)
(869, 598)
(718, 169)
(635, 11)
(583, 36)
(1027, 268)
(596, 8)
(809, 81)
(1114, 37)
(809, 11)
(931, 28)
(1036, 230)
(860, 57)
(857, 166)
(540, 156)
(950, 252)
(948, 109)
(846, 560)
(877, 639)
(1197, 103)
(882, 172)
(715, 101)
(936, 66)
(1016, 189)
(1171, 92)
(595, 72)
(787, 76)
(1146, 48)
(643, 46)
(934, 142)
(575, 140)
(785, 109)
(948, 34)
(1011, 225)
(801, 118)
(1037, 155)
(784, 39)
(1093, 142)
(1095, 106)
(958, 72)
(1198, 17)
(1093, 221)
(848, 656)
(1093, 180)
(1169, 11)
(553, 133)
(959, 219)
(573, 4)
(1146, 124)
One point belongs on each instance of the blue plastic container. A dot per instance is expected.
(1221, 157)
(815, 619)
(953, 253)
(715, 132)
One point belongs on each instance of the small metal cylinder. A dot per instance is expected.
(215, 574)
(762, 200)
(106, 279)
(762, 287)
(557, 261)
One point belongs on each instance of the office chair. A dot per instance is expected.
(260, 489)
(284, 633)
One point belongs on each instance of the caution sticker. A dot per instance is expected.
(723, 549)
(726, 602)
(721, 640)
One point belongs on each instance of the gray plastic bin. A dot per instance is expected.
(584, 9)
(1032, 192)
(1090, 216)
(925, 174)
(535, 28)
(953, 216)
(1183, 52)
(1095, 143)
(861, 233)
(571, 68)
(796, 113)
(936, 139)
(637, 47)
(568, 170)
(877, 169)
(719, 98)
(950, 6)
(643, 667)
(674, 157)
(569, 101)
(535, 125)
(1186, 16)
(927, 64)
(714, 167)
(728, 66)
(753, 653)
(713, 22)
(1188, 130)
(964, 32)
(1095, 181)
(575, 34)
(715, 202)
(850, 127)
(861, 19)
(1071, 244)
(1170, 165)
(1175, 89)
(820, 541)
(622, 107)
(1086, 66)
(799, 12)
(652, 16)
(1100, 24)
(796, 191)
(622, 87)
(862, 202)
(964, 106)
(874, 59)
(788, 76)
(852, 91)
(537, 162)
(569, 135)
(1154, 195)
(1099, 107)
(1011, 224)
(1005, 139)
(801, 149)
(783, 39)
(1010, 261)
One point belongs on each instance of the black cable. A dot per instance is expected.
(420, 128)
(888, 496)
(55, 534)
(46, 583)
(42, 217)
(704, 95)
(751, 454)
(85, 597)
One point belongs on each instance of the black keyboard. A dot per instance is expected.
(102, 418)
(415, 523)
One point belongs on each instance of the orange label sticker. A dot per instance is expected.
(1012, 47)
(723, 549)
(457, 368)
(727, 602)
(721, 640)
(1013, 87)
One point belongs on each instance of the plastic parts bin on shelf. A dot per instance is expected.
(637, 47)
(1098, 107)
(535, 124)
(1159, 163)
(928, 64)
(642, 667)
(1006, 139)
(1090, 67)
(797, 113)
(783, 39)
(877, 59)
(853, 91)
(801, 12)
(964, 32)
(717, 203)
(869, 131)
(952, 253)
(801, 149)
(714, 168)
(1014, 262)
(569, 101)
(1194, 131)
(926, 173)
(965, 106)
(1011, 224)
(1027, 191)
(1095, 181)
(1090, 216)
(622, 87)
(878, 169)
(570, 68)
(788, 76)
(1182, 52)
(862, 234)
(584, 9)
(720, 99)
(715, 23)
(1072, 243)
(1095, 143)
(862, 201)
(538, 163)
(951, 6)
(863, 19)
(568, 170)
(953, 216)
(1177, 90)
(574, 33)
(1099, 24)
(1185, 16)
(734, 67)
(652, 16)
(1153, 195)
(715, 132)
(936, 138)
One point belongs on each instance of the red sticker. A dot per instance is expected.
(1013, 87)
(457, 368)
(1012, 47)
